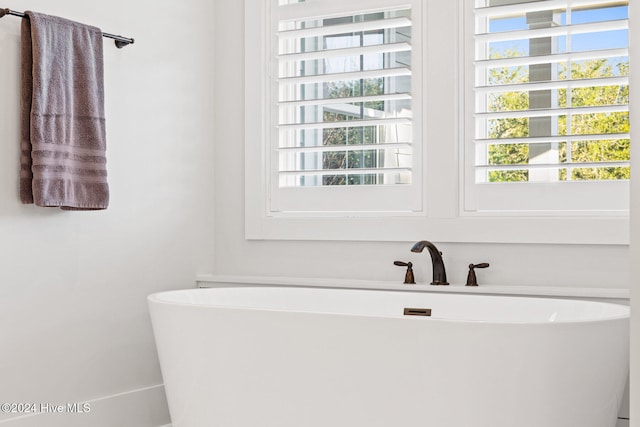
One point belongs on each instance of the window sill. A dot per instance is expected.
(212, 281)
(476, 229)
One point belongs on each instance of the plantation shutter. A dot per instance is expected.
(343, 92)
(550, 103)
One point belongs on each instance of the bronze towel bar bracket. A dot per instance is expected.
(119, 40)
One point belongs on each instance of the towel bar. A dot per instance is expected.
(119, 40)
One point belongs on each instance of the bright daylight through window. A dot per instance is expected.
(551, 98)
(344, 98)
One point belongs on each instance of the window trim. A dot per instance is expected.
(441, 221)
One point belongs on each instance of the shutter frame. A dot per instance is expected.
(397, 185)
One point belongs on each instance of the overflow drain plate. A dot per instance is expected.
(417, 312)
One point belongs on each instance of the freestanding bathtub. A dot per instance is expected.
(305, 357)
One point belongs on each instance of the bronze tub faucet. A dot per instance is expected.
(439, 273)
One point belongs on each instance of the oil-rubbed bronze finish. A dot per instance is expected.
(409, 279)
(472, 280)
(417, 312)
(119, 40)
(439, 273)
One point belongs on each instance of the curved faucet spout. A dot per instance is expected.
(439, 272)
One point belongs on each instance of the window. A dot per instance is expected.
(345, 100)
(341, 108)
(550, 126)
(386, 120)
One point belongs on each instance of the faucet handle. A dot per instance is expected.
(471, 277)
(408, 276)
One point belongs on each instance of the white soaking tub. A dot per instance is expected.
(305, 357)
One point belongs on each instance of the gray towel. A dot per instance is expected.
(63, 143)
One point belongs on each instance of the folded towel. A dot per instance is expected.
(63, 159)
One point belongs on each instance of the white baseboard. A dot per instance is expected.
(145, 407)
(622, 423)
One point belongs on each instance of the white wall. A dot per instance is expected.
(73, 285)
(570, 265)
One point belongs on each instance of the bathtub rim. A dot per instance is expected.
(155, 298)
